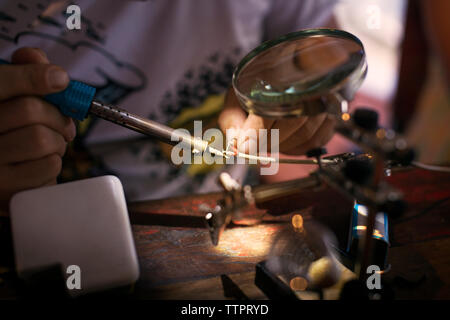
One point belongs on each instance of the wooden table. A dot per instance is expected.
(178, 260)
(182, 263)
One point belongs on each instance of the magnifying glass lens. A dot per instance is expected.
(282, 76)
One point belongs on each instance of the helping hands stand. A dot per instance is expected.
(359, 177)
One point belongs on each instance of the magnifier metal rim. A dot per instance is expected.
(347, 86)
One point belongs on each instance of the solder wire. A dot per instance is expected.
(167, 134)
(263, 159)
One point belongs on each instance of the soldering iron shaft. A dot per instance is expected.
(145, 126)
(169, 135)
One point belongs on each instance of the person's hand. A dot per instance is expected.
(296, 135)
(33, 133)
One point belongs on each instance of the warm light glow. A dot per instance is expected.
(381, 133)
(376, 232)
(298, 284)
(247, 242)
(297, 221)
(362, 210)
(345, 116)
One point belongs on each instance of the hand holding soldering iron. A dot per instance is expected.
(33, 133)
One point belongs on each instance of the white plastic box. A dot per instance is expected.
(83, 223)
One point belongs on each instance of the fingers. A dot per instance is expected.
(232, 115)
(304, 133)
(31, 79)
(30, 143)
(25, 111)
(288, 126)
(29, 55)
(33, 133)
(296, 135)
(52, 182)
(30, 174)
(249, 134)
(319, 138)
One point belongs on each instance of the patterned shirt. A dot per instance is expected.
(170, 61)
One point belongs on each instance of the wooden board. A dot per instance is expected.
(174, 254)
(178, 260)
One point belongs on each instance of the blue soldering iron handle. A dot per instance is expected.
(74, 101)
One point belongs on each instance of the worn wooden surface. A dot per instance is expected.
(173, 256)
(178, 261)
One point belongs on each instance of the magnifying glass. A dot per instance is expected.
(303, 73)
(312, 71)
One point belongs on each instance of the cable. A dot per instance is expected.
(273, 159)
(431, 167)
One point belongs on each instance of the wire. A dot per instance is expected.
(431, 167)
(273, 159)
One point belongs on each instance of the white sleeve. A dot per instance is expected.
(287, 16)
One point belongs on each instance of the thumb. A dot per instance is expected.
(248, 136)
(250, 133)
(232, 117)
(31, 74)
(29, 55)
